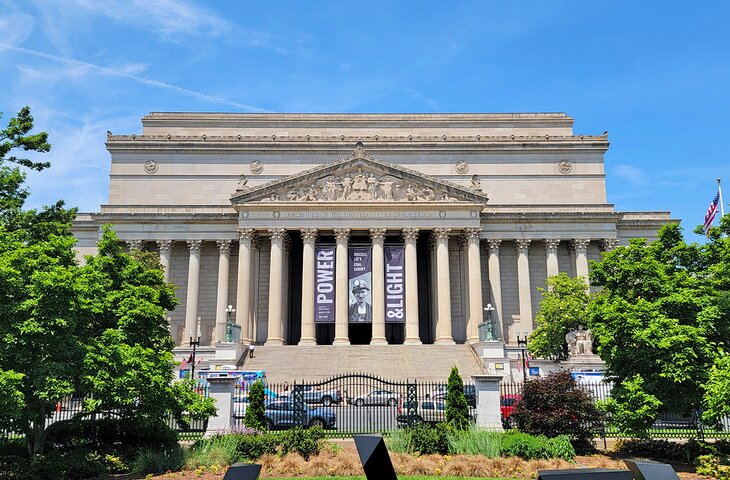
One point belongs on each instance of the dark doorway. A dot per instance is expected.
(324, 333)
(424, 287)
(294, 320)
(360, 333)
(395, 333)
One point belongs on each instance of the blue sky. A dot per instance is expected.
(656, 75)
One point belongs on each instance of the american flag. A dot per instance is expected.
(711, 212)
(187, 361)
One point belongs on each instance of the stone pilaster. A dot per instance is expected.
(191, 301)
(276, 297)
(523, 281)
(309, 237)
(224, 255)
(444, 334)
(495, 286)
(475, 284)
(413, 337)
(580, 245)
(377, 235)
(243, 286)
(341, 289)
(551, 253)
(165, 247)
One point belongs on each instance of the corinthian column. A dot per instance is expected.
(581, 257)
(551, 251)
(413, 336)
(341, 294)
(243, 285)
(276, 299)
(224, 255)
(134, 245)
(377, 236)
(523, 280)
(191, 300)
(495, 285)
(165, 247)
(309, 236)
(475, 284)
(444, 333)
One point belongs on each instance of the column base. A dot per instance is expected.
(378, 341)
(412, 341)
(307, 341)
(341, 341)
(445, 341)
(472, 340)
(277, 342)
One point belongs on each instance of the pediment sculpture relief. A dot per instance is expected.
(362, 186)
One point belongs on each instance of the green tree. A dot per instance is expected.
(663, 315)
(631, 408)
(97, 329)
(254, 416)
(457, 409)
(562, 309)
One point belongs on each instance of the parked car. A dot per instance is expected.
(376, 397)
(470, 393)
(281, 414)
(325, 397)
(428, 411)
(507, 405)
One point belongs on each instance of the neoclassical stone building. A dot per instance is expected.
(361, 228)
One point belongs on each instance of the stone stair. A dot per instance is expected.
(428, 363)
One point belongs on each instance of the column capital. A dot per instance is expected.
(551, 245)
(134, 244)
(580, 245)
(494, 244)
(410, 234)
(164, 245)
(441, 233)
(342, 234)
(473, 233)
(224, 246)
(246, 234)
(309, 234)
(194, 245)
(608, 244)
(377, 235)
(277, 234)
(523, 245)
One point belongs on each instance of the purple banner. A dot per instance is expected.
(324, 284)
(395, 284)
(359, 271)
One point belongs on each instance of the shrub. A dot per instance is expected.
(251, 447)
(305, 441)
(426, 439)
(714, 466)
(475, 441)
(399, 441)
(217, 450)
(530, 447)
(631, 409)
(666, 450)
(555, 405)
(457, 410)
(150, 460)
(254, 417)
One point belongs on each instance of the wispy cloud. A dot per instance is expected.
(123, 72)
(633, 175)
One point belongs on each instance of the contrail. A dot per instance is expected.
(144, 81)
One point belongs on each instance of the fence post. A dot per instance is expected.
(487, 392)
(221, 390)
(299, 404)
(411, 399)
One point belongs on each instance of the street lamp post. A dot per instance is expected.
(522, 342)
(194, 344)
(229, 324)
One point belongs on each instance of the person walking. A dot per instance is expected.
(251, 348)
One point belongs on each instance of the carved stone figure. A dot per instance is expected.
(411, 194)
(331, 189)
(346, 187)
(580, 342)
(242, 181)
(372, 187)
(476, 183)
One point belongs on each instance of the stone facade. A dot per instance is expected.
(487, 205)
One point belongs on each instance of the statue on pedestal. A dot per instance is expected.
(580, 342)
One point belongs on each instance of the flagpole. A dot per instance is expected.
(719, 191)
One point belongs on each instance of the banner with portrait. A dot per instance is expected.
(359, 271)
(324, 284)
(395, 284)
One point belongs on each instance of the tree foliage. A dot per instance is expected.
(662, 318)
(555, 405)
(457, 409)
(562, 309)
(631, 408)
(254, 416)
(97, 329)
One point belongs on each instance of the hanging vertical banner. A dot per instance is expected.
(324, 284)
(359, 275)
(395, 284)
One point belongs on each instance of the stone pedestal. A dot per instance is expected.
(221, 390)
(226, 356)
(487, 391)
(494, 358)
(583, 363)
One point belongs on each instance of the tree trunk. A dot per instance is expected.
(36, 433)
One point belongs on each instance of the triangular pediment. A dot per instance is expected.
(360, 178)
